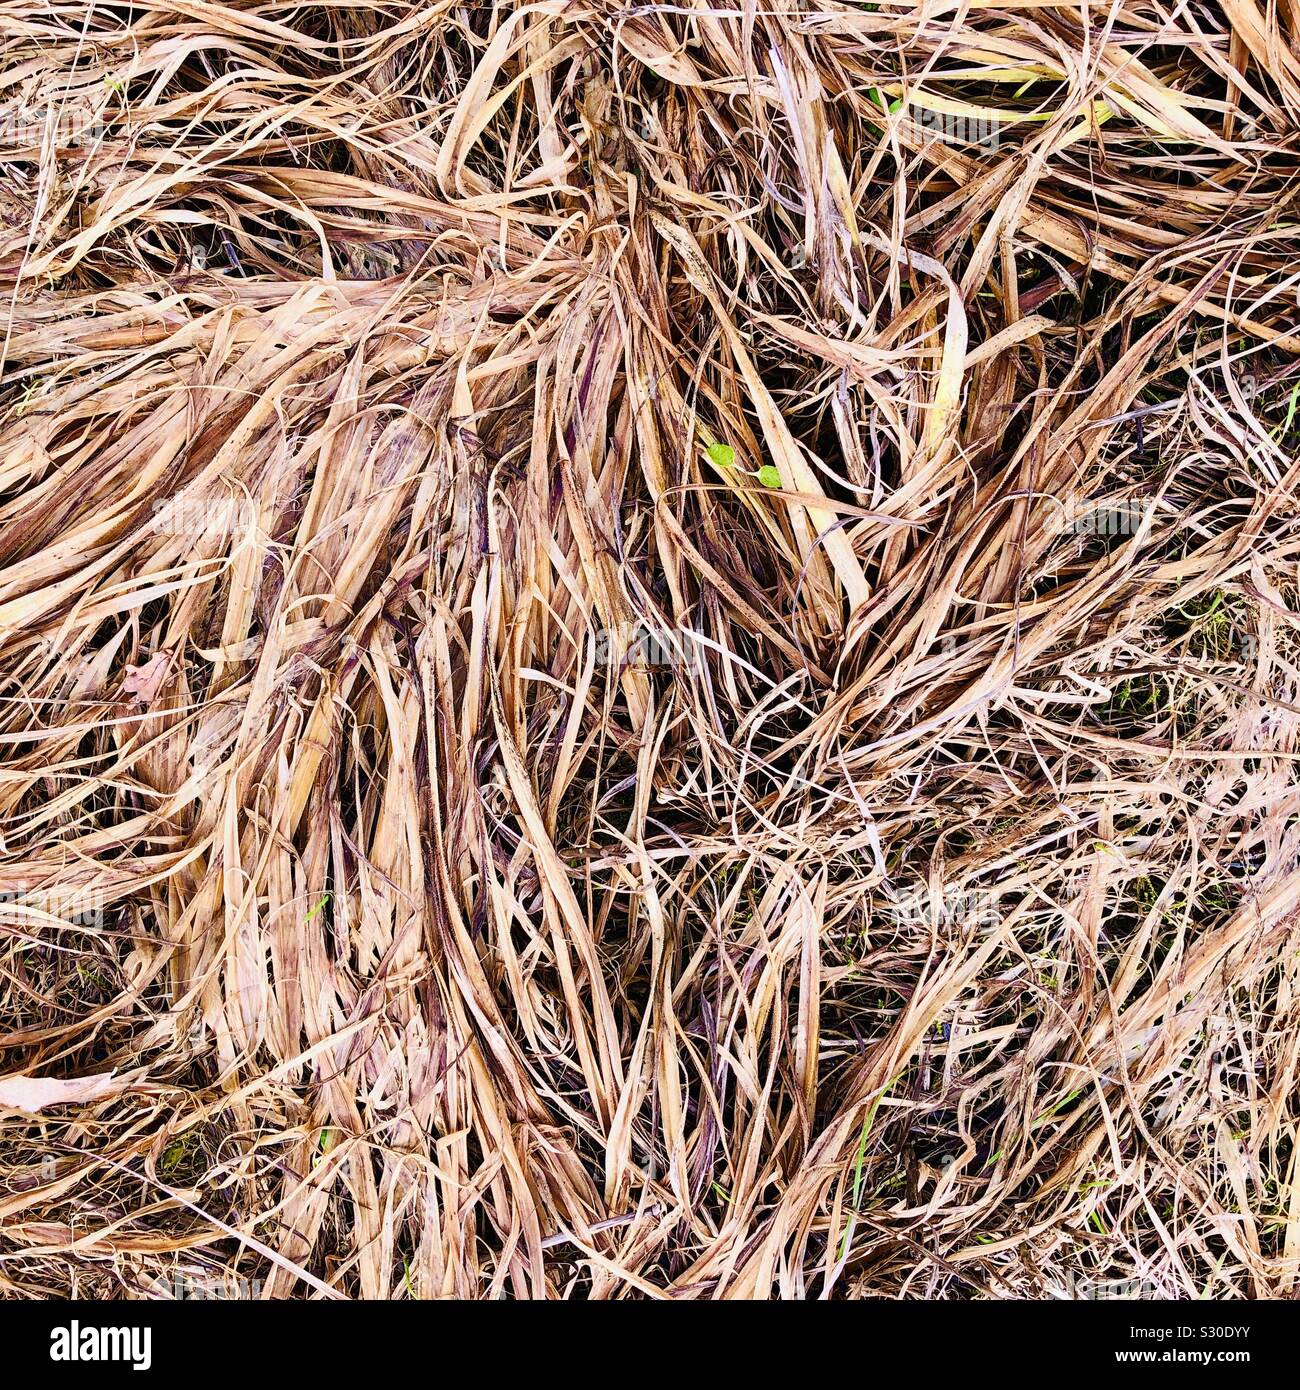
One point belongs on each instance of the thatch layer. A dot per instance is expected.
(649, 651)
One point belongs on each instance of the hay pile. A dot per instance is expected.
(649, 650)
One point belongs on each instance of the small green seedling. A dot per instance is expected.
(878, 99)
(328, 1138)
(722, 455)
(173, 1155)
(1285, 426)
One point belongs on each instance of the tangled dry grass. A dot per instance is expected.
(649, 650)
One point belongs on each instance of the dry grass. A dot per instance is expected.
(914, 913)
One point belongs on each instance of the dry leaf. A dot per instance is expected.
(32, 1094)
